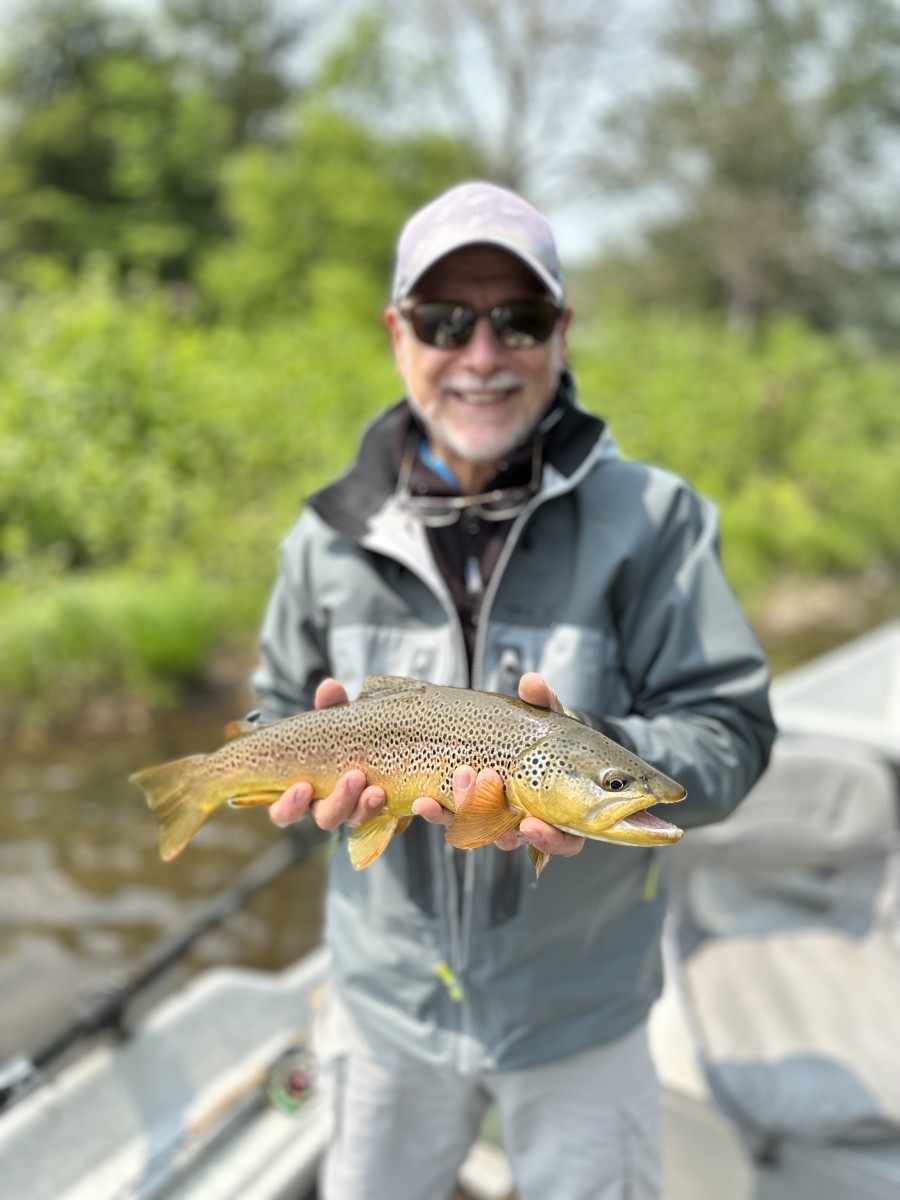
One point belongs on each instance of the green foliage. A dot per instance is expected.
(126, 163)
(103, 633)
(335, 196)
(789, 433)
(114, 136)
(149, 463)
(123, 428)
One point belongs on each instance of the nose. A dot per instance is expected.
(483, 352)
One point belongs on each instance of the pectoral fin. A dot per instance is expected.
(483, 818)
(367, 841)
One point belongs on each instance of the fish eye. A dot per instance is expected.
(614, 781)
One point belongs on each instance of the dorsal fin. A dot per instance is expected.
(242, 728)
(379, 686)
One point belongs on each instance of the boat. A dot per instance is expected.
(777, 1037)
(212, 1096)
(850, 692)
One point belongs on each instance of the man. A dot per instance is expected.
(489, 535)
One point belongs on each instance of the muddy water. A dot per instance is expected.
(84, 897)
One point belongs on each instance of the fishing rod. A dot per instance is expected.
(105, 1009)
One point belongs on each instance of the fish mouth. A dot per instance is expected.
(641, 828)
(637, 828)
(623, 820)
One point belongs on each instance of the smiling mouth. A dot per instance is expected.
(482, 399)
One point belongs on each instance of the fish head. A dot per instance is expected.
(586, 784)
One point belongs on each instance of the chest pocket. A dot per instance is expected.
(358, 650)
(581, 662)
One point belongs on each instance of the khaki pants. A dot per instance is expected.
(582, 1128)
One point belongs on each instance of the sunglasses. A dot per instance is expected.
(448, 324)
(501, 504)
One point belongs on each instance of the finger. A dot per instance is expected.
(330, 692)
(291, 805)
(340, 805)
(464, 780)
(434, 813)
(550, 839)
(534, 689)
(371, 801)
(510, 841)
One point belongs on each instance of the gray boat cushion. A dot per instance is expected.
(800, 1033)
(787, 947)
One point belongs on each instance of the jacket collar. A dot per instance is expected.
(349, 503)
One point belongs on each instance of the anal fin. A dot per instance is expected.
(483, 818)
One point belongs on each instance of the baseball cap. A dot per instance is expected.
(472, 214)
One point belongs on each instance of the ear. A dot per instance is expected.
(563, 327)
(560, 341)
(394, 325)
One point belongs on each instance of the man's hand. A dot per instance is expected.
(533, 690)
(351, 802)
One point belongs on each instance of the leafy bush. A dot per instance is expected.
(144, 452)
(789, 433)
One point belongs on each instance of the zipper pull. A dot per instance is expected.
(474, 580)
(448, 978)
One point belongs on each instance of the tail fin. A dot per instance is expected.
(181, 797)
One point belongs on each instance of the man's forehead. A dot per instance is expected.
(480, 264)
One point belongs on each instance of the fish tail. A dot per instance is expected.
(181, 797)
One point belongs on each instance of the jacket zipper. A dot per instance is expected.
(457, 912)
(460, 911)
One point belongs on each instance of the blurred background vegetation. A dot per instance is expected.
(198, 205)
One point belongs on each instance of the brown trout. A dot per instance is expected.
(408, 737)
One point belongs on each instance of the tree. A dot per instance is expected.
(322, 214)
(242, 49)
(115, 141)
(516, 79)
(767, 131)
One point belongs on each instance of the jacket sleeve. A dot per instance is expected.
(696, 673)
(293, 646)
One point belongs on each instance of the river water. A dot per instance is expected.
(84, 897)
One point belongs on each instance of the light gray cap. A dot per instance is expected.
(475, 214)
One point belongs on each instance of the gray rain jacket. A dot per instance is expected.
(610, 586)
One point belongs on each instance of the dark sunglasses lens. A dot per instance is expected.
(443, 325)
(524, 323)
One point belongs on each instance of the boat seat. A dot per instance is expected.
(784, 943)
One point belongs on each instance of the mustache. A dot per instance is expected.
(468, 381)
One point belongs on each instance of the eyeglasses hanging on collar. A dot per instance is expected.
(500, 504)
